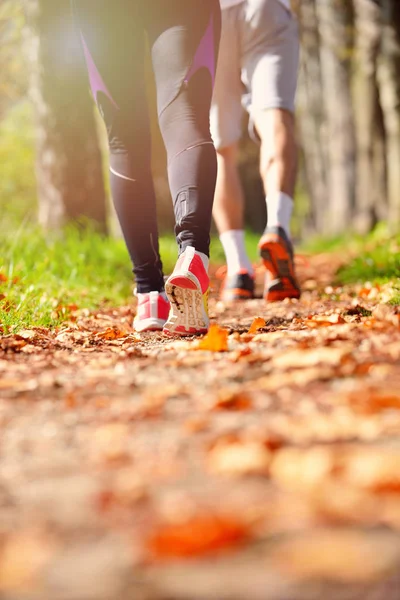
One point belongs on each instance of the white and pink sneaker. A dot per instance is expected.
(152, 311)
(187, 291)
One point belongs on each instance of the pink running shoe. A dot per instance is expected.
(187, 290)
(152, 312)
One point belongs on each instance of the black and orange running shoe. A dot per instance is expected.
(276, 251)
(239, 286)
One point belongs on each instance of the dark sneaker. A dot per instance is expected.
(237, 287)
(276, 251)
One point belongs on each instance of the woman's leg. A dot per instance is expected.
(184, 38)
(112, 35)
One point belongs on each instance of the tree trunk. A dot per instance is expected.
(335, 23)
(389, 84)
(68, 166)
(371, 166)
(311, 116)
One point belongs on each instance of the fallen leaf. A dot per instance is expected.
(372, 401)
(200, 535)
(239, 458)
(384, 312)
(345, 556)
(324, 321)
(27, 334)
(330, 355)
(374, 469)
(296, 469)
(23, 557)
(111, 333)
(109, 443)
(196, 425)
(257, 324)
(216, 340)
(232, 400)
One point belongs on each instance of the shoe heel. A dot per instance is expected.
(183, 282)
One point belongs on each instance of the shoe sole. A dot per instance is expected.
(279, 265)
(187, 315)
(149, 325)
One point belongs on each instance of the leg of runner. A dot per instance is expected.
(113, 42)
(226, 117)
(270, 66)
(184, 37)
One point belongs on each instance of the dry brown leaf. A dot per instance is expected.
(339, 503)
(384, 312)
(200, 535)
(196, 425)
(302, 469)
(22, 558)
(372, 401)
(6, 384)
(27, 334)
(375, 469)
(297, 377)
(257, 324)
(111, 333)
(233, 400)
(329, 355)
(344, 556)
(324, 321)
(216, 340)
(109, 443)
(238, 458)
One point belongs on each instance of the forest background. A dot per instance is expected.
(348, 121)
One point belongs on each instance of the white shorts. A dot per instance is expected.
(257, 66)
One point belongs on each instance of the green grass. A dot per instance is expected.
(45, 278)
(377, 261)
(376, 258)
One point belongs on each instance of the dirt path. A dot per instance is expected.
(135, 467)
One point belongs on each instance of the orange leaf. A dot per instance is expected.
(257, 324)
(3, 278)
(111, 333)
(239, 458)
(324, 321)
(200, 535)
(233, 400)
(216, 340)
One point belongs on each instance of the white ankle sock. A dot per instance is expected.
(235, 251)
(279, 208)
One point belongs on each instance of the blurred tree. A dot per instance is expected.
(12, 68)
(335, 27)
(311, 115)
(349, 112)
(68, 165)
(389, 84)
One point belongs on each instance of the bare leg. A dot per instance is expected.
(229, 198)
(278, 161)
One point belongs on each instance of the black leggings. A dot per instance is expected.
(183, 36)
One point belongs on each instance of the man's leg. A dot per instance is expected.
(228, 213)
(278, 164)
(226, 117)
(271, 57)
